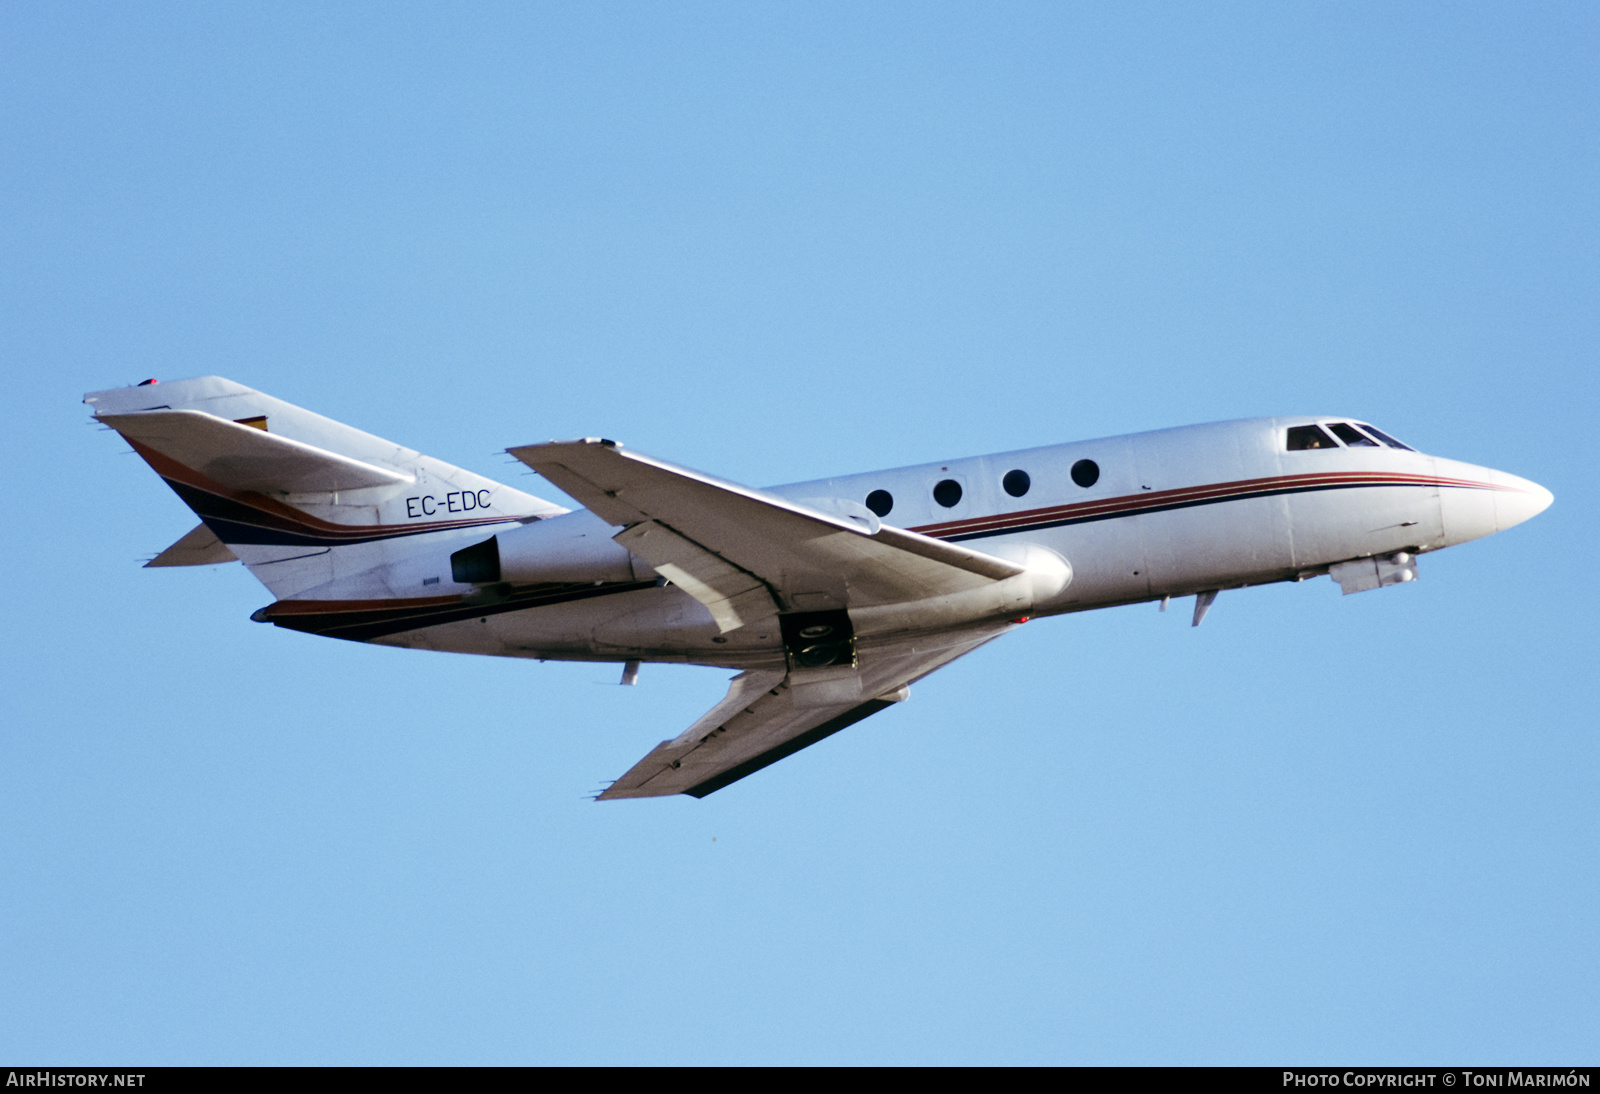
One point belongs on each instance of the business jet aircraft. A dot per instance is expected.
(832, 597)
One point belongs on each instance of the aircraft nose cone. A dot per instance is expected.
(1480, 502)
(1518, 499)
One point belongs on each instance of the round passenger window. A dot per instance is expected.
(947, 493)
(1016, 483)
(880, 502)
(1086, 473)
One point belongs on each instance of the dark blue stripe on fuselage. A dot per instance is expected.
(1163, 507)
(365, 624)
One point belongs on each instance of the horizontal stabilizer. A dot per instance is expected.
(200, 547)
(243, 457)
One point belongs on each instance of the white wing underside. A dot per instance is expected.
(763, 719)
(747, 556)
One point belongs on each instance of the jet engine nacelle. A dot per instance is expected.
(571, 548)
(1046, 575)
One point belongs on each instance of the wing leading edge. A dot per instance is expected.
(747, 555)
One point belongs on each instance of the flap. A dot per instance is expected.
(246, 458)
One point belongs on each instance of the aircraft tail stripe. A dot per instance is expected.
(174, 472)
(240, 522)
(240, 516)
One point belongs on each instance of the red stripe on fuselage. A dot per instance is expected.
(1218, 491)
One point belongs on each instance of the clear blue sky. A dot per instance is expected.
(778, 242)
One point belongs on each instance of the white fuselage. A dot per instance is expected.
(1167, 513)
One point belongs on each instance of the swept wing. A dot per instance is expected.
(763, 719)
(747, 555)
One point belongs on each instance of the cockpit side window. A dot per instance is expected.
(1351, 436)
(1302, 437)
(1385, 438)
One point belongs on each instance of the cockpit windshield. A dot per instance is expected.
(1303, 437)
(1385, 438)
(1351, 436)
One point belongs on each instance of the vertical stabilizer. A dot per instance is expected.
(313, 507)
